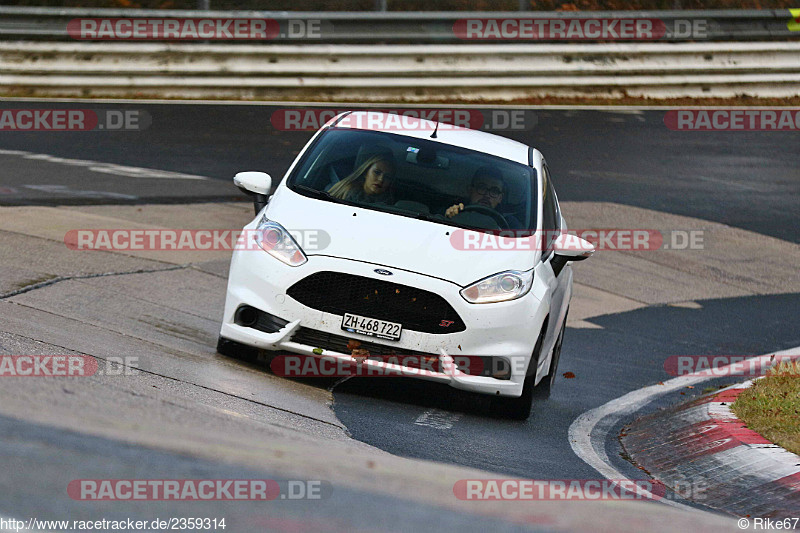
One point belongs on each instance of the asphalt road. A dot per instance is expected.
(744, 179)
(82, 457)
(627, 354)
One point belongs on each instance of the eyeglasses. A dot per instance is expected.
(482, 189)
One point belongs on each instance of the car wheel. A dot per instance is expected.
(545, 387)
(515, 408)
(520, 408)
(236, 350)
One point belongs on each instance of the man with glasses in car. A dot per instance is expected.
(487, 190)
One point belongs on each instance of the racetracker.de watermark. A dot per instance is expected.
(579, 29)
(193, 29)
(361, 365)
(66, 366)
(573, 490)
(732, 119)
(192, 239)
(197, 489)
(599, 239)
(726, 365)
(405, 119)
(74, 120)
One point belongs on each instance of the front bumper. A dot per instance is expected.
(505, 329)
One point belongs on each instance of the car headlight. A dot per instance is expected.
(276, 241)
(501, 287)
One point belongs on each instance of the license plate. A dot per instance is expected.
(371, 326)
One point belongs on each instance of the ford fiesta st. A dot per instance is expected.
(440, 242)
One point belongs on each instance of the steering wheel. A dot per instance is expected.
(489, 212)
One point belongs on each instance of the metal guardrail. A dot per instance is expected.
(34, 23)
(371, 56)
(400, 72)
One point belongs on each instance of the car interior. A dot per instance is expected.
(428, 178)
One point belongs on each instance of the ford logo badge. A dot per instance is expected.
(382, 272)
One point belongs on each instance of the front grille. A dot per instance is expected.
(415, 309)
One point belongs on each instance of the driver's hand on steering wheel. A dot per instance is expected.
(453, 210)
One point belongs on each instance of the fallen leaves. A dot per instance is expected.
(353, 344)
(360, 355)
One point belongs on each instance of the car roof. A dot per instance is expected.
(478, 141)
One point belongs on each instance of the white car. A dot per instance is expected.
(415, 260)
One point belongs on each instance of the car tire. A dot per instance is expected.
(520, 408)
(545, 387)
(515, 408)
(236, 350)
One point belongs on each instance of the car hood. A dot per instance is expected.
(390, 240)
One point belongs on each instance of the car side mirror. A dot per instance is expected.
(257, 184)
(568, 248)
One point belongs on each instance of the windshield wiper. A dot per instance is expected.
(429, 217)
(322, 195)
(441, 219)
(315, 192)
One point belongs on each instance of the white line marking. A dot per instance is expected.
(438, 419)
(600, 420)
(105, 168)
(66, 191)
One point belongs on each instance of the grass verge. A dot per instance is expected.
(771, 406)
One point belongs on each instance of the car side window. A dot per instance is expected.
(551, 222)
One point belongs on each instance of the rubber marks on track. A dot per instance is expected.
(437, 419)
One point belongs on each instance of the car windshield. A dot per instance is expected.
(417, 178)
